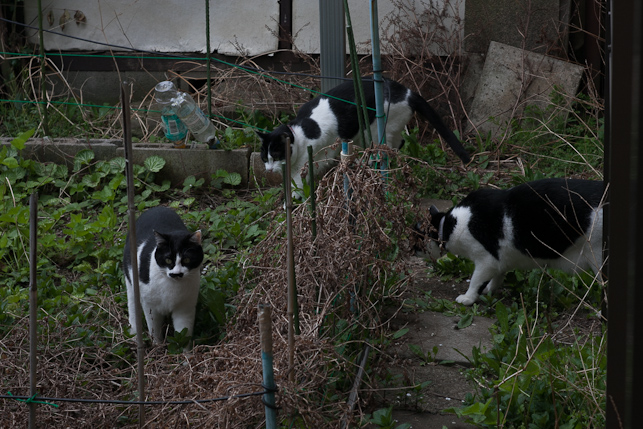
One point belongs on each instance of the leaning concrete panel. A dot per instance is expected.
(513, 79)
(159, 25)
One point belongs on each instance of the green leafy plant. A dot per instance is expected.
(383, 418)
(80, 237)
(426, 357)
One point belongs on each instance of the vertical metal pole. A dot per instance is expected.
(43, 68)
(33, 304)
(332, 43)
(380, 116)
(625, 232)
(208, 56)
(265, 331)
(131, 208)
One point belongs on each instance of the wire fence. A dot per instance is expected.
(205, 62)
(35, 399)
(44, 101)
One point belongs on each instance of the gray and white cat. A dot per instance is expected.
(169, 266)
(328, 117)
(555, 223)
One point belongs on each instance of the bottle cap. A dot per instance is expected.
(164, 92)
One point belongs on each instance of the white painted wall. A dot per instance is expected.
(162, 25)
(179, 25)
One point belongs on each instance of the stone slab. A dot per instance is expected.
(427, 420)
(429, 329)
(512, 79)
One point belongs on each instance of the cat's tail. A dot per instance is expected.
(419, 104)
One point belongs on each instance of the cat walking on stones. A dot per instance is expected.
(328, 117)
(169, 265)
(555, 223)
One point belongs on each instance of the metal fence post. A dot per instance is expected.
(265, 331)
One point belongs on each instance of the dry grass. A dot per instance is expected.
(346, 273)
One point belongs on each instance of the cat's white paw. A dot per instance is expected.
(465, 300)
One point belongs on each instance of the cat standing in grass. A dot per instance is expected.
(169, 266)
(555, 223)
(328, 117)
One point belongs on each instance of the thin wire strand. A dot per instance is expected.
(115, 401)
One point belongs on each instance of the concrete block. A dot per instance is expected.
(513, 79)
(259, 177)
(531, 25)
(200, 162)
(63, 151)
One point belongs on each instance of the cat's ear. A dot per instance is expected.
(285, 136)
(196, 237)
(436, 216)
(263, 136)
(160, 238)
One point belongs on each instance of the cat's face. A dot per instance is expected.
(178, 254)
(273, 147)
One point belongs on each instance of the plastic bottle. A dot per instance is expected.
(175, 129)
(199, 125)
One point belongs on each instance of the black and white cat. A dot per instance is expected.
(324, 119)
(557, 223)
(169, 265)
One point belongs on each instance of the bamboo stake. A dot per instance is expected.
(33, 305)
(293, 322)
(311, 175)
(131, 208)
(360, 101)
(352, 397)
(265, 331)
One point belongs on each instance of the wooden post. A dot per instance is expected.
(33, 304)
(131, 208)
(265, 332)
